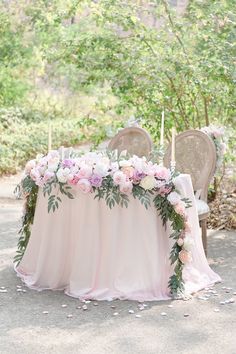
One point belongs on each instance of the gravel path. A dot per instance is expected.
(25, 328)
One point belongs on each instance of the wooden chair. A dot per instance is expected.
(135, 140)
(196, 155)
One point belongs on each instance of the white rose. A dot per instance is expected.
(188, 243)
(101, 169)
(53, 164)
(124, 163)
(30, 164)
(174, 198)
(114, 167)
(148, 182)
(63, 174)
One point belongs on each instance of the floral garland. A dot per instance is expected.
(217, 136)
(113, 178)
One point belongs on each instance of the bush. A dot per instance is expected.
(24, 134)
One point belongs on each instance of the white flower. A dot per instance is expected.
(114, 167)
(30, 164)
(148, 182)
(188, 243)
(125, 163)
(63, 174)
(174, 198)
(53, 163)
(101, 169)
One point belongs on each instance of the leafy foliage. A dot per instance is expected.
(30, 191)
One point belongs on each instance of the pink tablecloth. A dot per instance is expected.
(93, 252)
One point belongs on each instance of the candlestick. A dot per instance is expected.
(162, 129)
(173, 146)
(49, 136)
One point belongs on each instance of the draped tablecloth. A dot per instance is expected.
(93, 252)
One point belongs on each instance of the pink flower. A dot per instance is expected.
(180, 208)
(223, 148)
(128, 171)
(47, 176)
(30, 164)
(126, 187)
(162, 173)
(185, 256)
(34, 174)
(187, 227)
(85, 172)
(180, 242)
(164, 190)
(119, 178)
(84, 185)
(217, 132)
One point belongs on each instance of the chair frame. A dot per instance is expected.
(203, 195)
(124, 131)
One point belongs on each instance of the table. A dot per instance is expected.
(93, 252)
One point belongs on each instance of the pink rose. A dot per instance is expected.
(85, 172)
(119, 178)
(164, 190)
(180, 242)
(128, 171)
(84, 185)
(126, 187)
(180, 208)
(185, 256)
(162, 173)
(47, 176)
(187, 227)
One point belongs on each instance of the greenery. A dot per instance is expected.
(85, 63)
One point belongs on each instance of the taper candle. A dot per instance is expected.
(173, 145)
(162, 129)
(49, 136)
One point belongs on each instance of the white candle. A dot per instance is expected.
(173, 146)
(162, 129)
(62, 153)
(49, 136)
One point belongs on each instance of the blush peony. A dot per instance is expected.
(119, 178)
(180, 208)
(185, 256)
(126, 187)
(84, 185)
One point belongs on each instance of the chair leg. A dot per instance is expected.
(203, 224)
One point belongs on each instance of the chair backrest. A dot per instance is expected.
(133, 139)
(195, 154)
